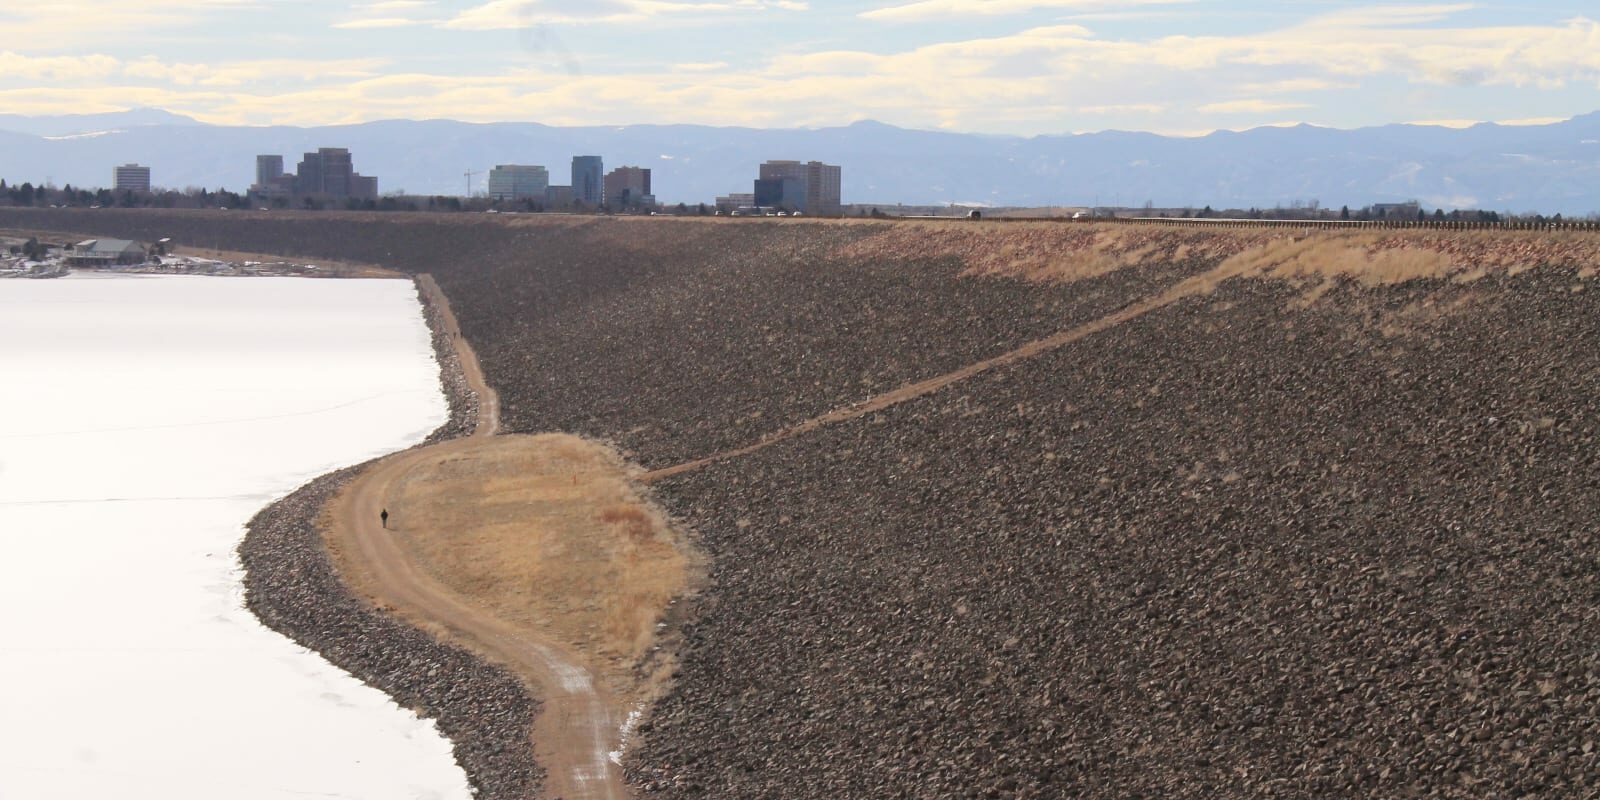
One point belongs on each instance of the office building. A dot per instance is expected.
(518, 182)
(131, 177)
(812, 187)
(629, 187)
(588, 181)
(788, 194)
(271, 181)
(364, 187)
(735, 201)
(268, 169)
(330, 171)
(558, 197)
(822, 189)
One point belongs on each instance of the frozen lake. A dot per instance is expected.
(143, 421)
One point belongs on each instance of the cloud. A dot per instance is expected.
(1532, 121)
(387, 14)
(518, 14)
(56, 68)
(368, 23)
(1293, 85)
(46, 25)
(240, 73)
(1388, 16)
(1043, 79)
(947, 9)
(1446, 123)
(1125, 108)
(1248, 107)
(703, 66)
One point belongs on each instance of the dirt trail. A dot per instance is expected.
(488, 398)
(579, 726)
(1198, 284)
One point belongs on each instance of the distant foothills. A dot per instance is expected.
(1407, 169)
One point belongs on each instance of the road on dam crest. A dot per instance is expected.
(579, 726)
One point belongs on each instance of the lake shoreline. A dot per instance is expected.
(292, 587)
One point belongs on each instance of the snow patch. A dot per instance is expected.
(625, 734)
(90, 135)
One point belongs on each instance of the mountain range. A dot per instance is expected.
(1546, 168)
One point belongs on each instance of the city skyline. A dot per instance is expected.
(991, 66)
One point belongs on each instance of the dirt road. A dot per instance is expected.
(579, 726)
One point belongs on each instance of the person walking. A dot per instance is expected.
(383, 517)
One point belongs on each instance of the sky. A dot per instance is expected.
(1024, 67)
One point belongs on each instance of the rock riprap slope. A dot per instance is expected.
(1243, 545)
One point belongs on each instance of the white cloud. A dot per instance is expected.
(702, 66)
(1532, 121)
(367, 23)
(1253, 106)
(1125, 108)
(55, 68)
(517, 14)
(387, 14)
(1045, 79)
(45, 25)
(948, 9)
(240, 73)
(1295, 85)
(1446, 123)
(1387, 16)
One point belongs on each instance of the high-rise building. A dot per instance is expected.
(628, 187)
(331, 171)
(822, 188)
(131, 177)
(270, 178)
(812, 187)
(268, 170)
(588, 182)
(518, 182)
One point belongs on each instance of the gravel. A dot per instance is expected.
(1222, 550)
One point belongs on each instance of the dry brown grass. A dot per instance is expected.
(1312, 260)
(1047, 252)
(1315, 259)
(549, 533)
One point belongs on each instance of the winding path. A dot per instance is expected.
(579, 726)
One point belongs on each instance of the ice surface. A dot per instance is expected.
(143, 420)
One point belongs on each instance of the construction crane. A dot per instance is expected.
(470, 173)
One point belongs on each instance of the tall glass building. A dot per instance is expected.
(588, 180)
